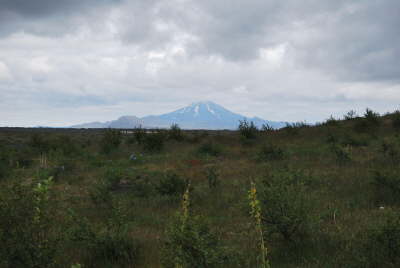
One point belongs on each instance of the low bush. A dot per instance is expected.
(381, 243)
(270, 152)
(342, 155)
(139, 134)
(39, 143)
(171, 184)
(396, 120)
(355, 141)
(287, 205)
(30, 234)
(175, 133)
(212, 176)
(350, 115)
(154, 142)
(110, 140)
(386, 188)
(368, 124)
(108, 246)
(247, 130)
(209, 149)
(190, 242)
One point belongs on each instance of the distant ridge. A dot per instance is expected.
(198, 115)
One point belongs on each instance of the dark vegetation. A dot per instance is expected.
(329, 196)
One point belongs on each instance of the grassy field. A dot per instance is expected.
(328, 196)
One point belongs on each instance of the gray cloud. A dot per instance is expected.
(282, 60)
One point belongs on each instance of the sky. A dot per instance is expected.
(66, 62)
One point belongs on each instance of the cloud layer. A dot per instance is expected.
(69, 61)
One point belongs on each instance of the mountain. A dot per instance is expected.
(199, 115)
(122, 122)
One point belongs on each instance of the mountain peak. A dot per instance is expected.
(198, 115)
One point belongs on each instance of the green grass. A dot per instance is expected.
(346, 218)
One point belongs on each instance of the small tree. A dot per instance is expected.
(286, 205)
(175, 132)
(247, 129)
(111, 140)
(190, 242)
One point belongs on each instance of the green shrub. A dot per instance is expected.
(110, 245)
(267, 128)
(390, 152)
(270, 152)
(294, 128)
(386, 187)
(154, 142)
(369, 123)
(65, 145)
(212, 176)
(331, 121)
(30, 235)
(372, 117)
(139, 134)
(110, 140)
(350, 115)
(247, 130)
(396, 120)
(332, 139)
(355, 141)
(193, 245)
(171, 184)
(175, 133)
(381, 247)
(39, 143)
(287, 205)
(341, 154)
(209, 149)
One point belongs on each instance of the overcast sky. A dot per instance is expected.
(70, 61)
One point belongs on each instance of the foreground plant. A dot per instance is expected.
(256, 214)
(190, 242)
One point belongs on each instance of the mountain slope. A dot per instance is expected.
(204, 115)
(199, 115)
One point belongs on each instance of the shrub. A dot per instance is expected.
(270, 152)
(390, 151)
(341, 154)
(396, 120)
(111, 245)
(331, 121)
(190, 242)
(247, 130)
(372, 117)
(267, 128)
(381, 247)
(354, 140)
(350, 115)
(369, 123)
(210, 149)
(175, 133)
(139, 134)
(154, 142)
(286, 205)
(331, 139)
(29, 232)
(171, 184)
(111, 140)
(39, 143)
(65, 145)
(212, 176)
(293, 129)
(386, 187)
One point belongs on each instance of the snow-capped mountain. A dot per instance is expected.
(204, 115)
(198, 115)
